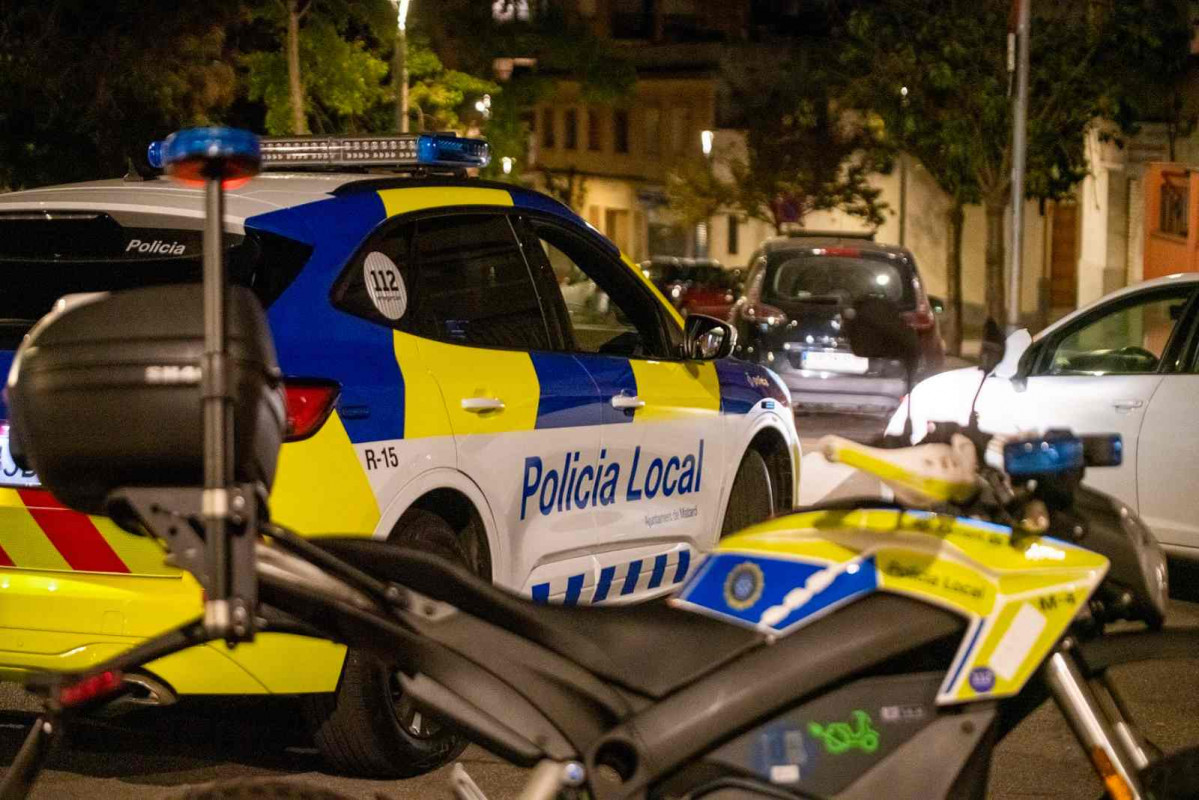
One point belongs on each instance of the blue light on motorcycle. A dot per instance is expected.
(1042, 455)
(196, 154)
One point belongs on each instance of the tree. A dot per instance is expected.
(803, 153)
(328, 73)
(296, 10)
(952, 57)
(87, 86)
(442, 99)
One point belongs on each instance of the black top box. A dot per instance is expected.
(107, 393)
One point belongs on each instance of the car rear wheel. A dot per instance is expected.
(752, 497)
(368, 727)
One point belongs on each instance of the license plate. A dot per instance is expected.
(10, 473)
(834, 362)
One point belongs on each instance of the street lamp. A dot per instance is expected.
(399, 68)
(506, 164)
(705, 144)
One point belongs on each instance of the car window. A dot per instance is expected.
(844, 279)
(457, 278)
(607, 309)
(1131, 338)
(474, 286)
(45, 256)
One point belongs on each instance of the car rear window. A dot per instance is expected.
(842, 279)
(45, 256)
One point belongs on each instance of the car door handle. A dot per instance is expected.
(478, 405)
(1127, 405)
(627, 402)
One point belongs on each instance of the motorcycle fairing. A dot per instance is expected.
(1018, 595)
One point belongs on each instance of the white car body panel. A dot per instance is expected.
(1154, 413)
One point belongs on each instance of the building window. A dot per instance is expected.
(653, 131)
(620, 131)
(547, 128)
(1175, 204)
(594, 130)
(734, 235)
(509, 10)
(570, 134)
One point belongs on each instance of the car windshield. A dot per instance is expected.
(843, 279)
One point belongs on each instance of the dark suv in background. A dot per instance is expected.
(790, 318)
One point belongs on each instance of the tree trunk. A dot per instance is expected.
(399, 72)
(953, 274)
(995, 207)
(299, 120)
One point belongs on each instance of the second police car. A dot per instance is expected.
(471, 369)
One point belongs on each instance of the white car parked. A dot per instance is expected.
(1126, 364)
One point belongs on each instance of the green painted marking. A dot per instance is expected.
(841, 737)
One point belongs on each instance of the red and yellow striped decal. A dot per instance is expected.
(73, 535)
(38, 532)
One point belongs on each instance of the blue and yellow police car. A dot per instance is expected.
(470, 368)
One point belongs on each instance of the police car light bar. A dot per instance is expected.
(402, 150)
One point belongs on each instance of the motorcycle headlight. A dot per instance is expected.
(1152, 559)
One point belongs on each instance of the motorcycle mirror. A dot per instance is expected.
(993, 346)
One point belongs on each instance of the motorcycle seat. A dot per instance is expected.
(624, 645)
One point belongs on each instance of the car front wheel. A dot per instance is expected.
(752, 497)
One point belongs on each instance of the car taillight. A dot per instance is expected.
(921, 319)
(90, 688)
(846, 252)
(309, 404)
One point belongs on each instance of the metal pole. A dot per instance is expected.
(218, 421)
(1019, 156)
(903, 198)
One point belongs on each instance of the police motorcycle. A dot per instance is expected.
(848, 650)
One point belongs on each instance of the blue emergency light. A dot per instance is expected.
(325, 152)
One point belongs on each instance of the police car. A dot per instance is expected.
(470, 369)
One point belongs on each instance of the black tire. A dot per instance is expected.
(261, 789)
(752, 497)
(367, 728)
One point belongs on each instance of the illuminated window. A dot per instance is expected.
(509, 10)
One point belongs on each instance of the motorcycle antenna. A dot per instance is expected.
(216, 158)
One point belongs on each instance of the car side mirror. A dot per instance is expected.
(936, 304)
(876, 329)
(1014, 348)
(707, 338)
